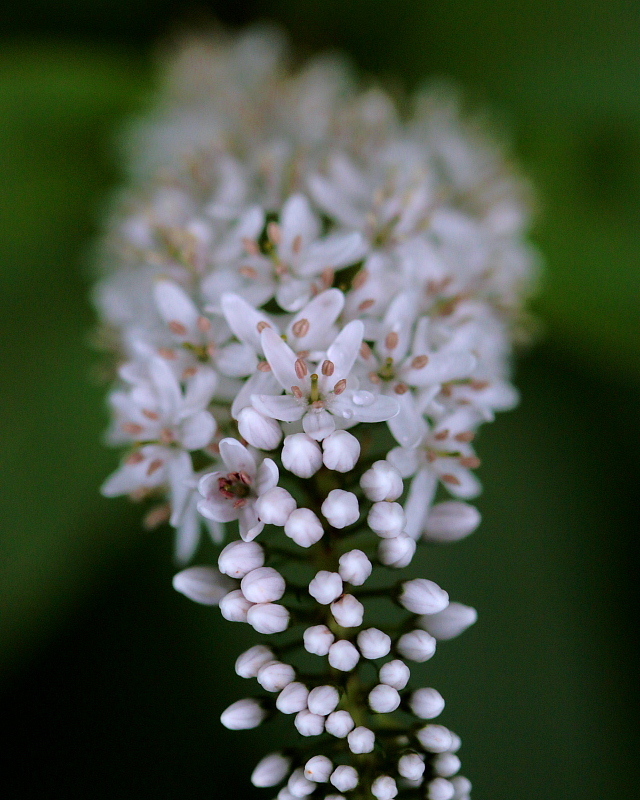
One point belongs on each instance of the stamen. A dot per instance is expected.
(167, 353)
(420, 362)
(189, 373)
(297, 244)
(478, 385)
(366, 304)
(471, 462)
(401, 388)
(360, 279)
(156, 516)
(301, 369)
(132, 428)
(303, 354)
(467, 436)
(449, 478)
(204, 324)
(441, 435)
(391, 340)
(154, 466)
(177, 327)
(327, 276)
(301, 328)
(365, 350)
(262, 325)
(340, 386)
(135, 458)
(374, 377)
(248, 272)
(264, 366)
(296, 391)
(274, 233)
(149, 414)
(328, 367)
(167, 436)
(251, 246)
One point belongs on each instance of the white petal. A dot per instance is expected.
(200, 389)
(284, 407)
(333, 252)
(236, 457)
(297, 219)
(175, 305)
(293, 293)
(181, 484)
(243, 319)
(197, 431)
(281, 358)
(408, 427)
(266, 476)
(259, 383)
(318, 424)
(167, 388)
(236, 360)
(419, 499)
(404, 459)
(344, 350)
(248, 522)
(320, 313)
(381, 409)
(442, 367)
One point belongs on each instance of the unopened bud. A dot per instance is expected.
(341, 451)
(248, 663)
(355, 567)
(243, 715)
(238, 558)
(343, 655)
(381, 482)
(383, 699)
(308, 724)
(348, 611)
(387, 519)
(325, 587)
(435, 738)
(411, 766)
(397, 552)
(318, 639)
(421, 596)
(304, 527)
(323, 700)
(268, 618)
(275, 675)
(271, 770)
(263, 585)
(292, 698)
(450, 521)
(301, 455)
(299, 785)
(340, 508)
(260, 431)
(361, 740)
(440, 789)
(344, 778)
(450, 622)
(275, 506)
(374, 643)
(318, 769)
(339, 723)
(446, 764)
(417, 645)
(426, 703)
(235, 606)
(203, 585)
(384, 788)
(395, 673)
(462, 787)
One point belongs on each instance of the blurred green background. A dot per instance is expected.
(112, 684)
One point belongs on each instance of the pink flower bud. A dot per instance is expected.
(381, 482)
(238, 558)
(426, 703)
(411, 766)
(243, 715)
(355, 567)
(361, 740)
(450, 622)
(387, 519)
(395, 673)
(341, 508)
(275, 675)
(268, 618)
(341, 451)
(318, 639)
(383, 699)
(374, 643)
(308, 724)
(318, 769)
(343, 655)
(435, 738)
(235, 606)
(301, 455)
(263, 585)
(384, 788)
(325, 587)
(421, 596)
(417, 645)
(304, 527)
(292, 698)
(274, 506)
(348, 611)
(440, 789)
(259, 431)
(249, 662)
(397, 552)
(344, 778)
(339, 723)
(271, 770)
(323, 700)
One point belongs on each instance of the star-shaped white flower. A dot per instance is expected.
(322, 393)
(233, 494)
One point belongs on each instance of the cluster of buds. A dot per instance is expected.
(310, 304)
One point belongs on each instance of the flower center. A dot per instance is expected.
(235, 485)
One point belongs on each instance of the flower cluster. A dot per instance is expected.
(310, 304)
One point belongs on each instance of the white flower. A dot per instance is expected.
(232, 495)
(318, 394)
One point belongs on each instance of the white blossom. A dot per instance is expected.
(397, 551)
(275, 675)
(308, 724)
(323, 700)
(435, 738)
(440, 789)
(381, 482)
(275, 506)
(446, 764)
(411, 766)
(293, 698)
(386, 519)
(235, 606)
(299, 785)
(422, 596)
(450, 521)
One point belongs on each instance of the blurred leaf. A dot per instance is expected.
(58, 105)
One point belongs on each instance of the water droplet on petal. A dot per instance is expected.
(347, 413)
(363, 398)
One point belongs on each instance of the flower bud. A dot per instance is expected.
(397, 552)
(308, 724)
(271, 770)
(435, 738)
(348, 611)
(318, 769)
(411, 766)
(450, 521)
(421, 596)
(325, 587)
(299, 785)
(285, 794)
(235, 606)
(340, 508)
(361, 740)
(387, 519)
(238, 558)
(318, 639)
(323, 700)
(268, 618)
(203, 585)
(259, 431)
(383, 699)
(339, 723)
(292, 698)
(355, 567)
(440, 789)
(395, 673)
(243, 715)
(275, 506)
(384, 788)
(341, 451)
(343, 655)
(275, 675)
(263, 585)
(450, 622)
(303, 527)
(301, 455)
(417, 645)
(344, 778)
(446, 764)
(249, 662)
(374, 643)
(381, 482)
(462, 787)
(426, 703)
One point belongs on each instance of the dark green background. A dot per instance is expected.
(113, 683)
